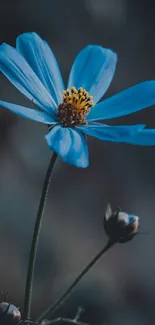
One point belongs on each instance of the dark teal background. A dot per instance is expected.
(120, 289)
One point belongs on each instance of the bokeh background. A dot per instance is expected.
(120, 289)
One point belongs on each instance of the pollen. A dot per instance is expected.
(74, 108)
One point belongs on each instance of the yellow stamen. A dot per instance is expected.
(78, 99)
(75, 106)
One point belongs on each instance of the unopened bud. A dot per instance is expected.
(120, 226)
(9, 314)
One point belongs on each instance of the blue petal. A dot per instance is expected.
(93, 69)
(132, 218)
(69, 144)
(145, 137)
(43, 62)
(29, 113)
(126, 102)
(17, 70)
(111, 133)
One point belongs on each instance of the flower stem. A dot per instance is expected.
(52, 308)
(35, 240)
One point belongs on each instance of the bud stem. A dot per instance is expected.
(53, 307)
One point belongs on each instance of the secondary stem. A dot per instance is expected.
(36, 233)
(53, 307)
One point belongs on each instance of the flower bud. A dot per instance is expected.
(9, 314)
(120, 226)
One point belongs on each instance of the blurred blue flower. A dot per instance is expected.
(33, 70)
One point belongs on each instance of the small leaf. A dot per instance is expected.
(46, 322)
(108, 212)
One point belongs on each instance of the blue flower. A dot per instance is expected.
(72, 113)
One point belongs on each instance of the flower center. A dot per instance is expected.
(74, 108)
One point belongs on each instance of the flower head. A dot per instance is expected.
(120, 226)
(70, 114)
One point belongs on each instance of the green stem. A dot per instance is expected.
(53, 307)
(35, 240)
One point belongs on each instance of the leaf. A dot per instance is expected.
(46, 322)
(108, 212)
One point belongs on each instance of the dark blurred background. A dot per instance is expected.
(120, 289)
